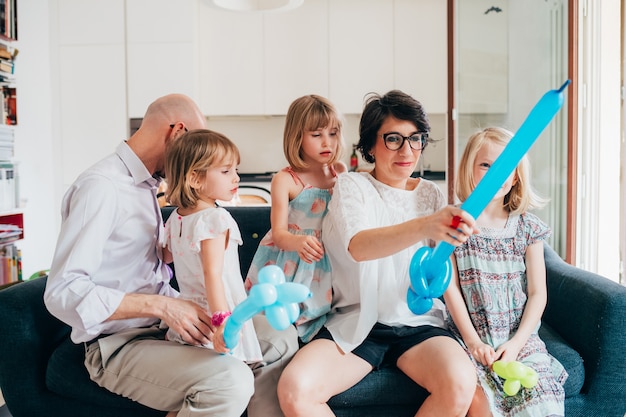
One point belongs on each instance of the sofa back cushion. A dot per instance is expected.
(253, 222)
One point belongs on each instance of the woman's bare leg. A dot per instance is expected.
(442, 367)
(317, 372)
(480, 405)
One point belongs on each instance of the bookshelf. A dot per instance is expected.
(11, 218)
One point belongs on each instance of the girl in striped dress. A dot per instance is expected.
(498, 295)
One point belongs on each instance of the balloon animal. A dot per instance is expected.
(431, 270)
(516, 375)
(279, 300)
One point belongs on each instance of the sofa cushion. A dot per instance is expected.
(386, 385)
(569, 358)
(67, 376)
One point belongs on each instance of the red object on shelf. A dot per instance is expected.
(16, 219)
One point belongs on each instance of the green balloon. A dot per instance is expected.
(511, 386)
(531, 378)
(499, 368)
(516, 370)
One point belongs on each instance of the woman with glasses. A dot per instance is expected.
(376, 222)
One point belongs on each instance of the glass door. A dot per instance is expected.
(507, 54)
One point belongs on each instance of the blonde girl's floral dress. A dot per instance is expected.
(183, 235)
(305, 215)
(492, 275)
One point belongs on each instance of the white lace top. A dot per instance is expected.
(373, 291)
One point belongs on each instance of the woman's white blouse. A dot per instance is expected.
(373, 291)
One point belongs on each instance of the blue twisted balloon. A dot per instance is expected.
(279, 300)
(431, 270)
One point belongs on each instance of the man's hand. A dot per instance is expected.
(185, 317)
(189, 320)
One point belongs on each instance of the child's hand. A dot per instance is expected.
(219, 345)
(483, 353)
(310, 249)
(508, 351)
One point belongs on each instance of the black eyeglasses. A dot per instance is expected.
(395, 141)
(174, 124)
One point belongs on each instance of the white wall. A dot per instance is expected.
(599, 214)
(34, 147)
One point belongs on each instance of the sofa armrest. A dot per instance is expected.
(29, 335)
(589, 313)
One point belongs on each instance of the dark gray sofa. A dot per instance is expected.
(584, 326)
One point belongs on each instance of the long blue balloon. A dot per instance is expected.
(539, 117)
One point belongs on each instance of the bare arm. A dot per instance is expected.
(185, 317)
(167, 255)
(212, 255)
(340, 167)
(535, 303)
(457, 308)
(385, 241)
(309, 248)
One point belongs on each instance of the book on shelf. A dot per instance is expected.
(5, 53)
(10, 233)
(8, 114)
(10, 264)
(6, 65)
(8, 19)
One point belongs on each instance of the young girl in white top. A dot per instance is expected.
(499, 291)
(201, 167)
(312, 144)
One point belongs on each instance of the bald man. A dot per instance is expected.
(109, 283)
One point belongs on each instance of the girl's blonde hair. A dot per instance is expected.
(307, 114)
(188, 158)
(521, 197)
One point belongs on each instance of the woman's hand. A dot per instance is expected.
(440, 226)
(309, 249)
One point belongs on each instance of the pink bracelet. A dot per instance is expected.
(219, 317)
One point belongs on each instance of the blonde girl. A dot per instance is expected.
(312, 145)
(203, 239)
(498, 293)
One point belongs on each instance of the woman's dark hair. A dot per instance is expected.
(377, 108)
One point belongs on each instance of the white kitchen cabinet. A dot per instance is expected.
(157, 69)
(161, 51)
(295, 55)
(421, 52)
(361, 51)
(257, 64)
(230, 61)
(92, 109)
(91, 82)
(90, 22)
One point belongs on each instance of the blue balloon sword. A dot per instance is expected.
(431, 270)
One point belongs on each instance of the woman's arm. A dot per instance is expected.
(380, 242)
